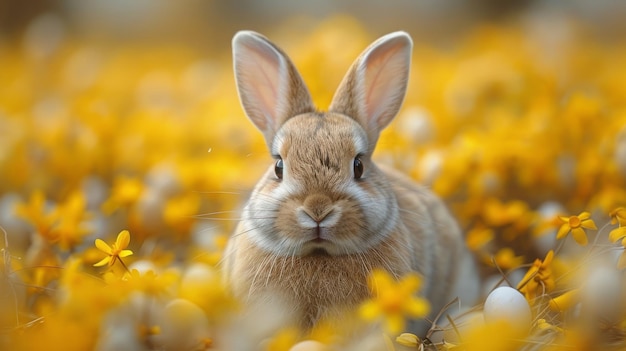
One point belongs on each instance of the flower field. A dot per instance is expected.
(124, 168)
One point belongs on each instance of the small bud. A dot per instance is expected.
(408, 339)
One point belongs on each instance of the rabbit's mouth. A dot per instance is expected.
(319, 241)
(319, 235)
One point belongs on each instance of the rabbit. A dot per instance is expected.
(324, 215)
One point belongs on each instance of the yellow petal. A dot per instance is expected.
(124, 253)
(548, 259)
(562, 231)
(123, 239)
(103, 262)
(565, 301)
(584, 215)
(379, 280)
(417, 308)
(104, 247)
(410, 283)
(532, 271)
(618, 216)
(530, 289)
(589, 224)
(394, 323)
(618, 212)
(617, 234)
(369, 310)
(580, 236)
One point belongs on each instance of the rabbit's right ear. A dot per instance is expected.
(270, 88)
(373, 89)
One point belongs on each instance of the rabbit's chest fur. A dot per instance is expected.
(315, 286)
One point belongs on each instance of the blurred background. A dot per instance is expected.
(204, 23)
(120, 114)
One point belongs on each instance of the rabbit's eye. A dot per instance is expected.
(358, 168)
(278, 168)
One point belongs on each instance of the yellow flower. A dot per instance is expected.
(126, 192)
(116, 251)
(203, 285)
(36, 213)
(478, 237)
(576, 225)
(505, 259)
(538, 278)
(547, 225)
(618, 215)
(179, 213)
(393, 301)
(497, 213)
(329, 331)
(150, 283)
(71, 228)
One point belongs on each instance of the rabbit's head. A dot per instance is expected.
(323, 194)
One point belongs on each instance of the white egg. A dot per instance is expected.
(309, 345)
(505, 304)
(183, 326)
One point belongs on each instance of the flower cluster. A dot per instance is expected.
(517, 133)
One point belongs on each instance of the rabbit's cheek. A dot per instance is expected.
(374, 204)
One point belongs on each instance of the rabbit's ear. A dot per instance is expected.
(269, 87)
(373, 89)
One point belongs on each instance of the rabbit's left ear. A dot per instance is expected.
(270, 88)
(373, 90)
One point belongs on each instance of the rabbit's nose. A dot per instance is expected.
(318, 211)
(317, 207)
